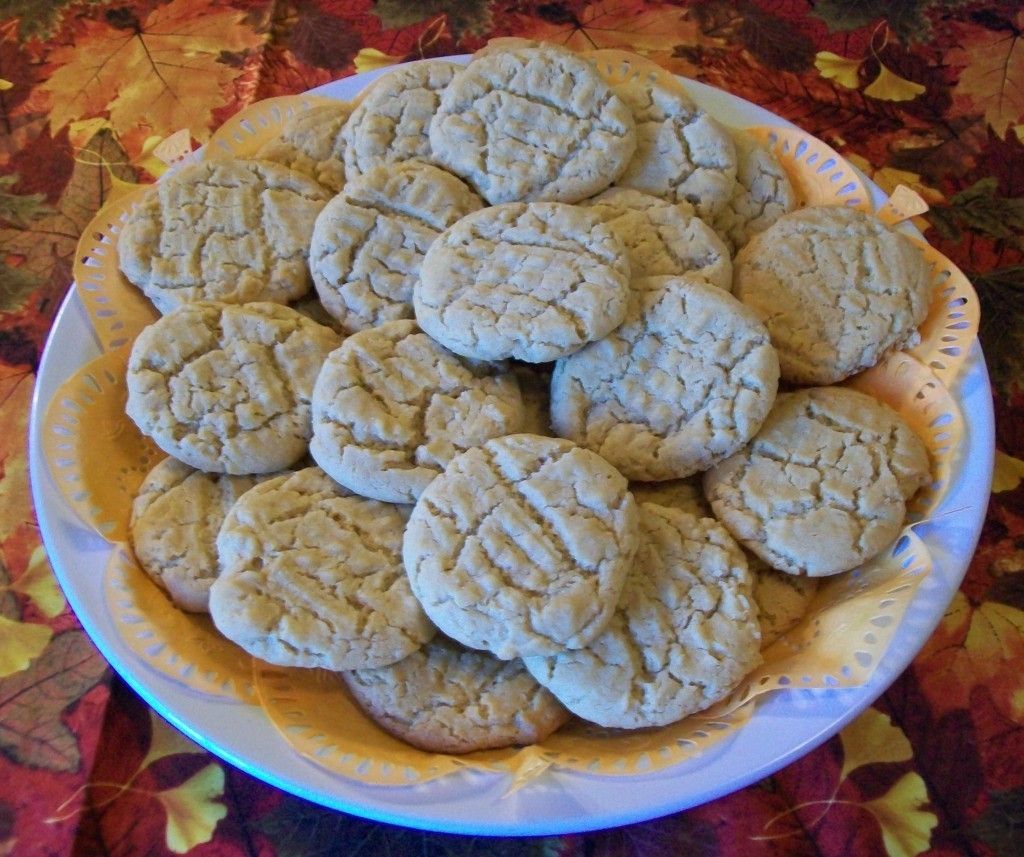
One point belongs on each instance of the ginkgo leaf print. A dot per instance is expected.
(193, 809)
(872, 738)
(163, 70)
(900, 812)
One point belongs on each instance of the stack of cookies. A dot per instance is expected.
(467, 476)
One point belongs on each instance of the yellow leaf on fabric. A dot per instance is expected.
(5, 85)
(889, 86)
(369, 59)
(165, 740)
(40, 586)
(1007, 473)
(193, 809)
(996, 635)
(16, 396)
(872, 738)
(81, 131)
(20, 644)
(840, 69)
(906, 827)
(993, 71)
(163, 73)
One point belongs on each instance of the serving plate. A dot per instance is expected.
(784, 725)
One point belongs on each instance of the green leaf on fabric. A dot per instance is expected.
(1001, 296)
(40, 18)
(16, 284)
(32, 702)
(1001, 825)
(908, 19)
(980, 208)
(20, 208)
(465, 17)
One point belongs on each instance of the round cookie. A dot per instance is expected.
(311, 576)
(836, 289)
(522, 545)
(444, 698)
(681, 152)
(685, 494)
(532, 124)
(369, 241)
(174, 524)
(533, 281)
(824, 484)
(663, 238)
(685, 381)
(391, 408)
(684, 635)
(227, 388)
(225, 230)
(392, 122)
(311, 143)
(782, 599)
(763, 193)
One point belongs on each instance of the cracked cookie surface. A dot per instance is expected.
(391, 408)
(448, 699)
(311, 143)
(532, 124)
(225, 230)
(685, 381)
(369, 241)
(392, 122)
(681, 153)
(782, 599)
(836, 289)
(684, 635)
(763, 193)
(227, 388)
(174, 524)
(663, 238)
(533, 281)
(522, 545)
(311, 576)
(824, 484)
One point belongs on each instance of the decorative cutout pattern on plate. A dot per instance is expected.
(95, 453)
(245, 132)
(116, 308)
(183, 646)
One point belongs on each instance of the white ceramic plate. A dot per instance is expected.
(784, 726)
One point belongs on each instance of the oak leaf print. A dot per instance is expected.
(193, 809)
(162, 71)
(993, 74)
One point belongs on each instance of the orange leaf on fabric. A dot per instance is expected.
(889, 86)
(630, 24)
(162, 71)
(20, 644)
(1007, 473)
(840, 69)
(193, 809)
(906, 826)
(993, 71)
(39, 585)
(872, 738)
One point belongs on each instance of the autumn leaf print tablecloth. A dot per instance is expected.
(924, 93)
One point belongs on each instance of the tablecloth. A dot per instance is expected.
(927, 93)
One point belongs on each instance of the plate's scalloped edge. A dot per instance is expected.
(954, 316)
(928, 407)
(184, 647)
(117, 310)
(247, 131)
(96, 455)
(818, 173)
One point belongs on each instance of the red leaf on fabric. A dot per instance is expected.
(322, 40)
(44, 165)
(32, 702)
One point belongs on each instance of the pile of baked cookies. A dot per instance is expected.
(551, 470)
